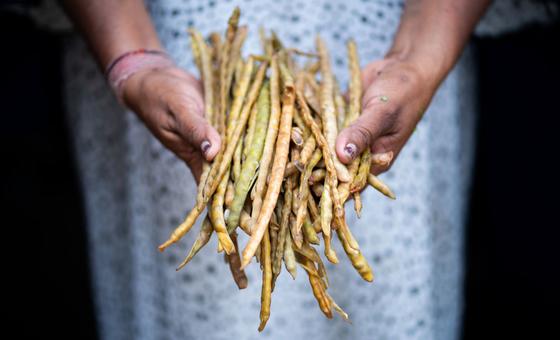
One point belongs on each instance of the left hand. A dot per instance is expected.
(396, 94)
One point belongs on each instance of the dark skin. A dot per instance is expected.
(169, 100)
(174, 113)
(397, 89)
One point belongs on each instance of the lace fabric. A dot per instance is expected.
(136, 192)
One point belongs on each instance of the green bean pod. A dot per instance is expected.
(251, 163)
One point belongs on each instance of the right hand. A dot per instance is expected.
(170, 102)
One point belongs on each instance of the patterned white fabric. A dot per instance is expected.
(136, 192)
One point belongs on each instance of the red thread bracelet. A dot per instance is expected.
(129, 63)
(129, 53)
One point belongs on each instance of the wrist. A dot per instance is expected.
(132, 62)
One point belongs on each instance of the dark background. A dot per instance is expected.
(513, 234)
(513, 249)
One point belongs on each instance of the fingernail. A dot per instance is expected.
(383, 158)
(351, 150)
(205, 146)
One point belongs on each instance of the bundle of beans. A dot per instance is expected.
(277, 176)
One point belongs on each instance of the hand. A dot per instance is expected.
(396, 94)
(170, 102)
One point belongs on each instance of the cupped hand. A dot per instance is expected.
(396, 94)
(170, 102)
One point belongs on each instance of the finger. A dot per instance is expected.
(382, 158)
(184, 150)
(186, 105)
(196, 169)
(196, 131)
(384, 151)
(378, 169)
(191, 125)
(381, 162)
(374, 121)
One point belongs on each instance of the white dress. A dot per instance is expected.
(136, 192)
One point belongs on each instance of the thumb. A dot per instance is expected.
(196, 131)
(363, 132)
